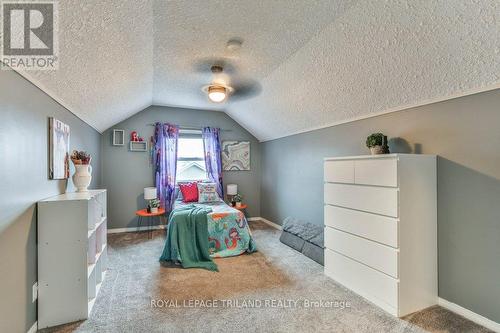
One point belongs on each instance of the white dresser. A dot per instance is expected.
(72, 255)
(381, 228)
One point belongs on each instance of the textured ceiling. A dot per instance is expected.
(379, 56)
(317, 63)
(187, 32)
(105, 69)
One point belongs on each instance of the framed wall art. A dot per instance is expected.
(58, 149)
(236, 155)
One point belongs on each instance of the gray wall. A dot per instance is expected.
(465, 133)
(24, 111)
(125, 173)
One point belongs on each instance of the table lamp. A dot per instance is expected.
(150, 195)
(232, 190)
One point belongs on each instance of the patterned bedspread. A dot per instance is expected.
(228, 231)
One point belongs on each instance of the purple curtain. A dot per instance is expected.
(212, 147)
(165, 140)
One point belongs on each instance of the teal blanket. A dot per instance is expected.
(187, 238)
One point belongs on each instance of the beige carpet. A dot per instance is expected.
(274, 290)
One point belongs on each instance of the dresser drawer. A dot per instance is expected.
(379, 228)
(378, 200)
(380, 172)
(369, 283)
(380, 257)
(339, 171)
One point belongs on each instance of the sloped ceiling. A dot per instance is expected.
(187, 32)
(318, 63)
(105, 69)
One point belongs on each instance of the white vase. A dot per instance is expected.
(238, 204)
(154, 210)
(82, 177)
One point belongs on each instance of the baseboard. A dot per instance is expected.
(33, 328)
(156, 227)
(134, 229)
(472, 316)
(272, 224)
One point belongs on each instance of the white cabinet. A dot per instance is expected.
(72, 255)
(381, 228)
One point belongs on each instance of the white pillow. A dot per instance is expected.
(207, 192)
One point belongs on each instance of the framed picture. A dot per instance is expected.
(58, 149)
(118, 137)
(236, 155)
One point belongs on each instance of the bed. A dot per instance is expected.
(228, 231)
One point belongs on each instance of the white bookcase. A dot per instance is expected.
(72, 255)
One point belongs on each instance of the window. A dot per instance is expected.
(190, 158)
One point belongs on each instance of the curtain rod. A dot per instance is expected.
(192, 128)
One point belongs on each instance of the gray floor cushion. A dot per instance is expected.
(304, 237)
(314, 252)
(292, 240)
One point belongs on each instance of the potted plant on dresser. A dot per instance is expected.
(377, 143)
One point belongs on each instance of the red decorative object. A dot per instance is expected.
(144, 212)
(189, 191)
(134, 137)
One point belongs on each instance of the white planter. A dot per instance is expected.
(154, 210)
(377, 150)
(82, 177)
(238, 204)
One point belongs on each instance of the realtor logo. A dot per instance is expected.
(29, 35)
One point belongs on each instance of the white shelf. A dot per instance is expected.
(96, 226)
(98, 255)
(71, 230)
(141, 146)
(97, 289)
(74, 196)
(91, 267)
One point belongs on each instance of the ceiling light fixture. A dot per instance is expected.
(217, 94)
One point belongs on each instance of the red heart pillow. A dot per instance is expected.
(189, 191)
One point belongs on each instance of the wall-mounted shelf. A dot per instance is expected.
(138, 146)
(118, 137)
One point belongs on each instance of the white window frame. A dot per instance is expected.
(185, 133)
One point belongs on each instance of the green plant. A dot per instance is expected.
(238, 198)
(375, 139)
(154, 203)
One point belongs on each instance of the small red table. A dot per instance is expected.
(143, 213)
(242, 207)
